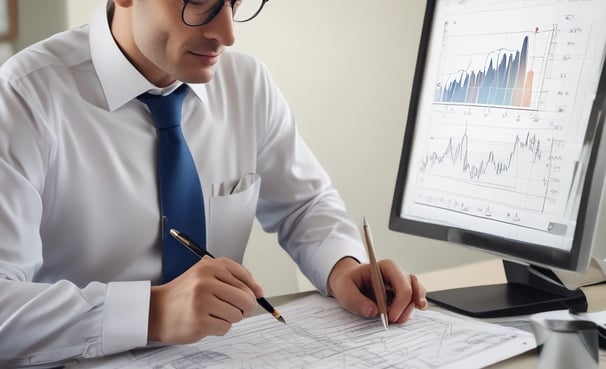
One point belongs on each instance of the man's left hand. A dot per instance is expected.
(349, 282)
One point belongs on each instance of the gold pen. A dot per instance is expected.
(376, 277)
(191, 246)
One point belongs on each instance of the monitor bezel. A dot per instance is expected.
(578, 259)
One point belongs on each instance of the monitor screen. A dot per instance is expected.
(502, 144)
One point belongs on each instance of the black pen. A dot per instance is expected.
(185, 241)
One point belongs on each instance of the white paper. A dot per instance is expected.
(320, 334)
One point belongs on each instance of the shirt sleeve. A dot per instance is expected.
(56, 321)
(297, 199)
(51, 323)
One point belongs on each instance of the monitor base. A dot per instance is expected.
(528, 290)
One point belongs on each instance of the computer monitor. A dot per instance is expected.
(505, 149)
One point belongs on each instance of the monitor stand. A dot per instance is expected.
(529, 290)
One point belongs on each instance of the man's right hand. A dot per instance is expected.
(204, 301)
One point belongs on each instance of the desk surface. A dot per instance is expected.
(492, 273)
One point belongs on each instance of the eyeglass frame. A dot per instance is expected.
(216, 10)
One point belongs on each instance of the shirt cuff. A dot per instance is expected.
(326, 258)
(126, 316)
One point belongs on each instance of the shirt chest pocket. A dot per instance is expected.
(230, 217)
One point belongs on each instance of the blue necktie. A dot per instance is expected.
(181, 200)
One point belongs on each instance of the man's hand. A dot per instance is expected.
(349, 282)
(205, 300)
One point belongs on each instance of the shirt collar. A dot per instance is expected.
(120, 80)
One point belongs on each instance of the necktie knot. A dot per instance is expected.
(166, 110)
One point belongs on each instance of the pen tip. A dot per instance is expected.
(173, 232)
(384, 321)
(274, 312)
(278, 316)
(365, 221)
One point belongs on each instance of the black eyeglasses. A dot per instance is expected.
(200, 12)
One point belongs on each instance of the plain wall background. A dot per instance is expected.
(346, 67)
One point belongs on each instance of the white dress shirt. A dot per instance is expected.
(79, 215)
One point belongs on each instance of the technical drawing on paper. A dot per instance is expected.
(321, 334)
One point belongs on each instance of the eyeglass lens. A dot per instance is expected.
(200, 12)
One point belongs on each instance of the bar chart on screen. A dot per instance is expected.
(517, 60)
(500, 76)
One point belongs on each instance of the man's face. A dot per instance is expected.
(165, 49)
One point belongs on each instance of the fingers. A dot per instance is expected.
(353, 290)
(401, 291)
(205, 300)
(225, 288)
(409, 294)
(349, 283)
(359, 303)
(419, 293)
(242, 274)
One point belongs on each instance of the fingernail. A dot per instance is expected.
(423, 303)
(370, 312)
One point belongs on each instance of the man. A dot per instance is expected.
(81, 246)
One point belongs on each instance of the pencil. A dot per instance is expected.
(185, 241)
(376, 278)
